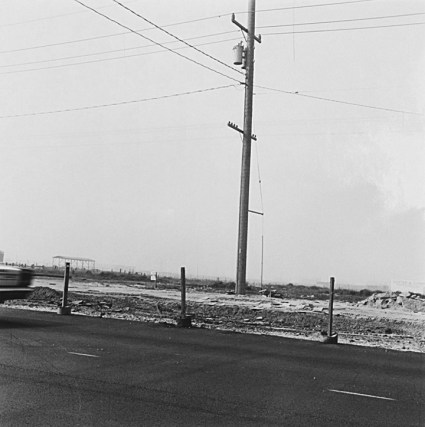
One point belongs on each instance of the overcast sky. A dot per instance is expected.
(154, 184)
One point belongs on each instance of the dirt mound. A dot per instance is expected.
(394, 300)
(44, 293)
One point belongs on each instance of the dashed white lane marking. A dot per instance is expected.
(361, 394)
(83, 354)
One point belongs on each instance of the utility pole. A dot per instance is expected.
(246, 148)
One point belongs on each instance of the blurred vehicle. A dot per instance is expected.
(15, 282)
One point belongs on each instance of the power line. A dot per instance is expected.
(314, 5)
(343, 20)
(113, 104)
(345, 29)
(49, 17)
(192, 38)
(65, 42)
(40, 19)
(174, 24)
(104, 7)
(120, 50)
(105, 36)
(157, 43)
(320, 98)
(177, 23)
(100, 37)
(195, 20)
(174, 36)
(105, 59)
(148, 29)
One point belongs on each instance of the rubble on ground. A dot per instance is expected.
(396, 300)
(385, 320)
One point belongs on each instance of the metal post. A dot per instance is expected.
(183, 321)
(246, 155)
(331, 338)
(331, 305)
(183, 291)
(65, 309)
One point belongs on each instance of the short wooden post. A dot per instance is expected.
(331, 305)
(65, 309)
(183, 291)
(183, 321)
(331, 338)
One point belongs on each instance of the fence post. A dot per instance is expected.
(183, 291)
(65, 308)
(331, 338)
(331, 305)
(183, 321)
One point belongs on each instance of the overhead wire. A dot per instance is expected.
(30, 21)
(22, 49)
(217, 88)
(105, 36)
(161, 45)
(343, 20)
(174, 24)
(312, 5)
(148, 29)
(145, 46)
(191, 21)
(125, 49)
(103, 7)
(106, 59)
(191, 38)
(113, 104)
(174, 36)
(344, 29)
(320, 98)
(157, 43)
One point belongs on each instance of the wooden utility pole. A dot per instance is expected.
(246, 153)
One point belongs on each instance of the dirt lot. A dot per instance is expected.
(392, 321)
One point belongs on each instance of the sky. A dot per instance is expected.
(115, 145)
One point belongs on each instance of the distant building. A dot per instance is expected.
(75, 262)
(1, 257)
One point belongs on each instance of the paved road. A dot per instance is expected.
(80, 371)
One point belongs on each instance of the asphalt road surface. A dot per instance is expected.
(81, 371)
